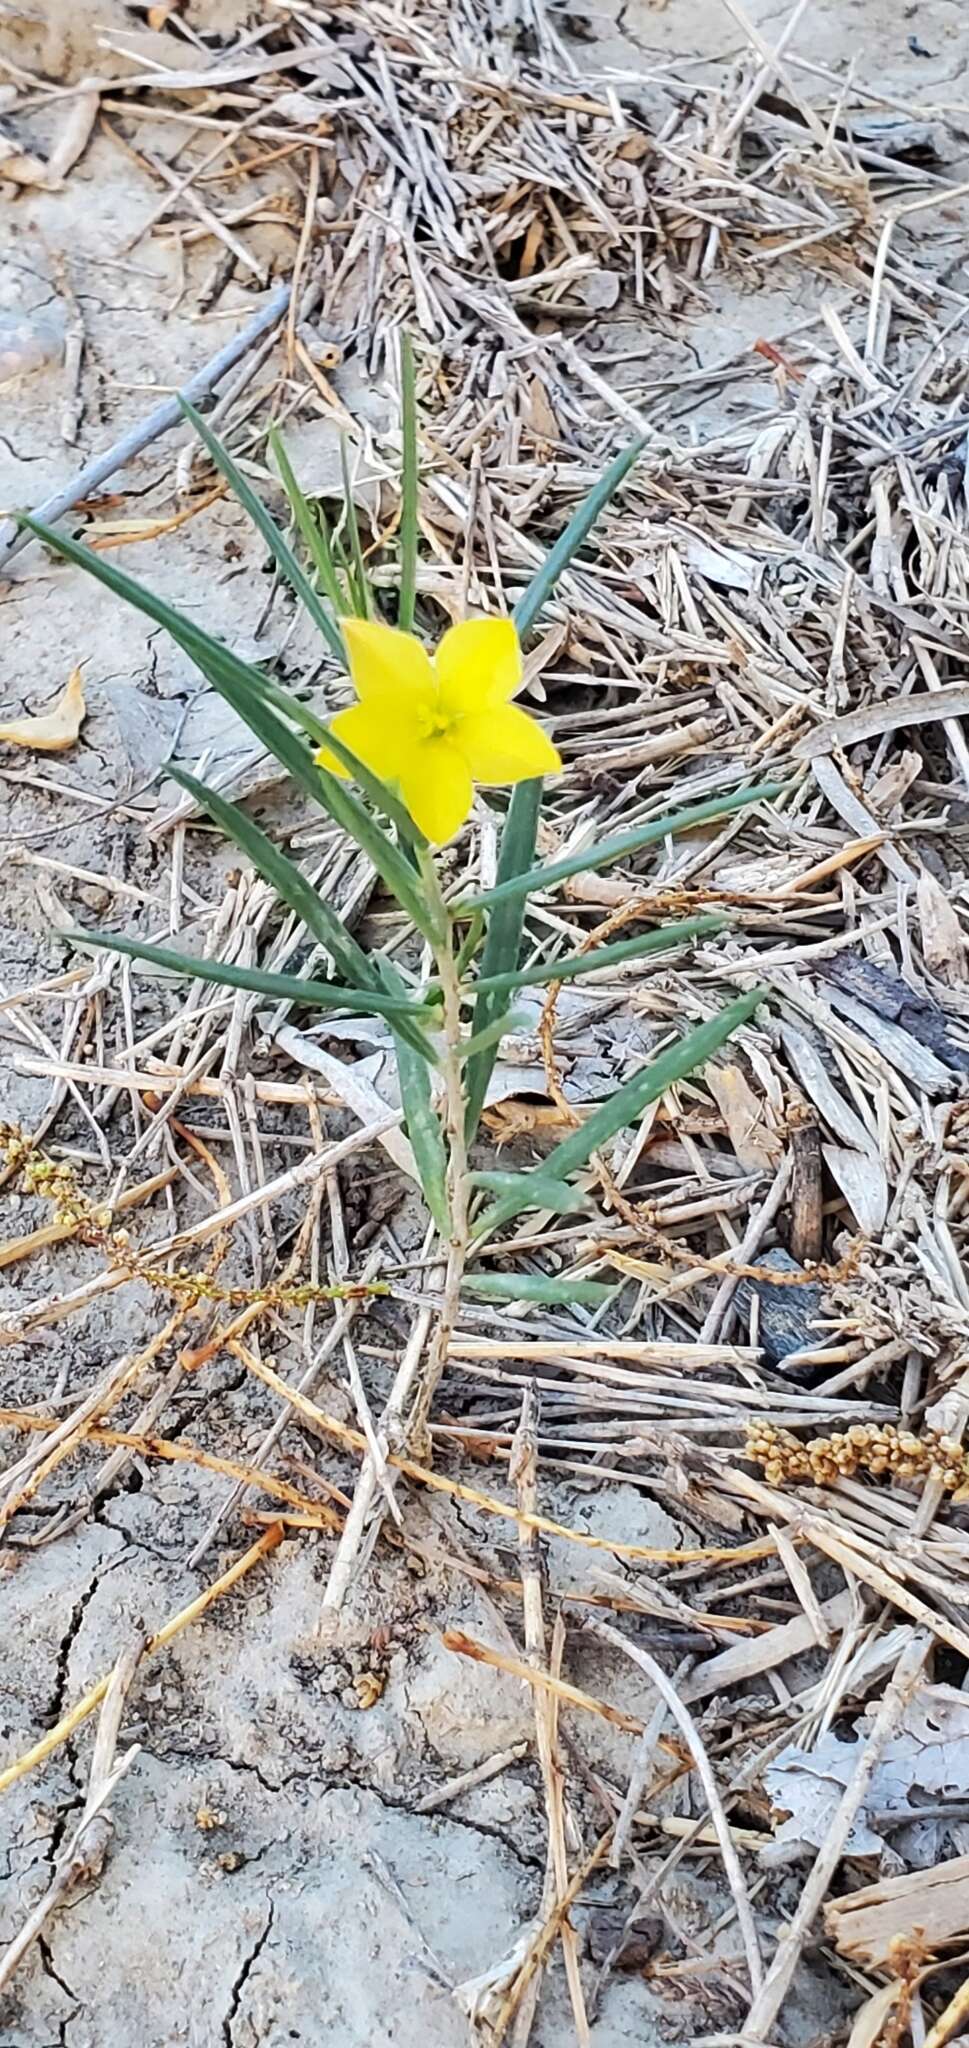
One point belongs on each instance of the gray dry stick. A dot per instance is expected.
(926, 707)
(165, 416)
(787, 1955)
(688, 1729)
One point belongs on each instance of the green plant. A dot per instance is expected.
(446, 1034)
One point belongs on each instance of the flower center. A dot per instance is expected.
(434, 723)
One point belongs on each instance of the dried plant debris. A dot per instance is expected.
(715, 1387)
(897, 1922)
(915, 1796)
(53, 731)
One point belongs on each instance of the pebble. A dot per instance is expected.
(786, 1313)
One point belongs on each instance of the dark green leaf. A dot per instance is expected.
(503, 942)
(409, 477)
(517, 850)
(469, 945)
(313, 530)
(275, 540)
(523, 881)
(424, 1130)
(557, 1196)
(320, 921)
(322, 995)
(284, 876)
(387, 858)
(571, 965)
(568, 544)
(335, 796)
(627, 1104)
(257, 700)
(423, 1123)
(361, 581)
(216, 661)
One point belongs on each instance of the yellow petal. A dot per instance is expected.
(50, 731)
(436, 787)
(506, 745)
(385, 663)
(382, 743)
(478, 663)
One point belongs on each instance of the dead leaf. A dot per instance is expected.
(870, 2021)
(922, 707)
(757, 1147)
(926, 1760)
(943, 942)
(73, 138)
(50, 732)
(863, 1183)
(27, 167)
(21, 166)
(354, 1088)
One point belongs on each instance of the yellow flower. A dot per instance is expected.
(436, 725)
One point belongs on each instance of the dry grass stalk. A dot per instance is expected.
(185, 1618)
(182, 1453)
(437, 1482)
(524, 1471)
(931, 1906)
(772, 1993)
(84, 1855)
(685, 1722)
(571, 1695)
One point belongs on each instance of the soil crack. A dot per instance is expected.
(239, 1983)
(59, 1688)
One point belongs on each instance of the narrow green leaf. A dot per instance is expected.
(320, 921)
(510, 1020)
(211, 656)
(284, 876)
(469, 945)
(312, 528)
(517, 851)
(503, 942)
(572, 965)
(568, 544)
(262, 718)
(549, 1293)
(343, 563)
(321, 995)
(361, 581)
(557, 1196)
(422, 1121)
(524, 881)
(242, 693)
(263, 520)
(257, 700)
(387, 858)
(242, 684)
(377, 791)
(627, 1104)
(424, 1130)
(409, 478)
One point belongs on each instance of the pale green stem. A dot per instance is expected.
(458, 1198)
